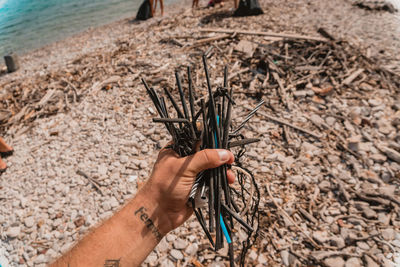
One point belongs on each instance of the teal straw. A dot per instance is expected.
(224, 230)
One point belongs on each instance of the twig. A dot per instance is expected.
(272, 34)
(92, 181)
(283, 122)
(209, 40)
(290, 218)
(281, 89)
(352, 76)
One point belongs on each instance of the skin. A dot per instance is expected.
(153, 7)
(159, 207)
(4, 148)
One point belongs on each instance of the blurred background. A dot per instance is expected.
(30, 24)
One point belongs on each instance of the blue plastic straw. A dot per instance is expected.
(225, 231)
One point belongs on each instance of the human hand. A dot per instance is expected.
(172, 179)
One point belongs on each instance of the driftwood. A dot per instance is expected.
(270, 34)
(284, 122)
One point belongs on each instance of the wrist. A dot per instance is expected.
(149, 211)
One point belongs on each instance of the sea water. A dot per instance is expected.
(30, 24)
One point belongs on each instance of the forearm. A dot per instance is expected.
(128, 237)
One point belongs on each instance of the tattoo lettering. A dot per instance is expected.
(112, 263)
(144, 217)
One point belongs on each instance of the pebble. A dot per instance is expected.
(334, 262)
(379, 158)
(176, 254)
(113, 202)
(296, 180)
(363, 245)
(180, 243)
(41, 258)
(369, 262)
(324, 186)
(13, 232)
(29, 222)
(192, 249)
(262, 259)
(285, 257)
(320, 236)
(353, 262)
(252, 255)
(163, 246)
(152, 259)
(171, 237)
(388, 234)
(374, 102)
(337, 241)
(369, 213)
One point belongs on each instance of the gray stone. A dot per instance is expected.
(167, 263)
(13, 232)
(337, 241)
(330, 121)
(114, 202)
(285, 257)
(378, 158)
(325, 186)
(192, 249)
(388, 234)
(353, 262)
(29, 222)
(106, 205)
(252, 255)
(180, 243)
(262, 259)
(296, 180)
(374, 102)
(369, 262)
(41, 258)
(369, 213)
(334, 262)
(363, 245)
(176, 254)
(317, 120)
(102, 169)
(300, 93)
(163, 245)
(320, 236)
(171, 237)
(152, 259)
(124, 159)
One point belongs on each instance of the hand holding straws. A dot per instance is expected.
(211, 189)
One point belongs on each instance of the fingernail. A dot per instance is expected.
(223, 155)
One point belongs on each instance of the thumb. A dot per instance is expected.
(208, 159)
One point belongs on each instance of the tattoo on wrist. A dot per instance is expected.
(112, 263)
(144, 217)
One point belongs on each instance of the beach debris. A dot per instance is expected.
(12, 62)
(248, 8)
(210, 127)
(376, 5)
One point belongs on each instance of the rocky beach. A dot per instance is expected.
(327, 165)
